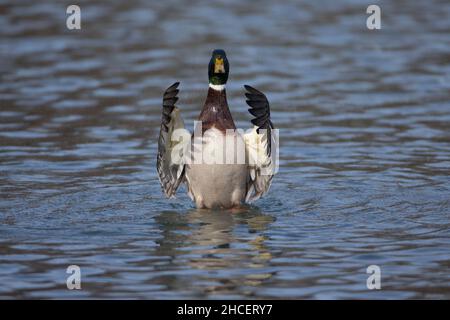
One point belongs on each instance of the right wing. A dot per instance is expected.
(171, 147)
(261, 144)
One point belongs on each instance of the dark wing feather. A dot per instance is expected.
(259, 107)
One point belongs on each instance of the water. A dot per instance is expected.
(364, 120)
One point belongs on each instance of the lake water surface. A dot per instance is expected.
(364, 179)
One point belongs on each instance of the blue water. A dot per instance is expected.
(364, 120)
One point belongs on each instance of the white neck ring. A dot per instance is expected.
(217, 87)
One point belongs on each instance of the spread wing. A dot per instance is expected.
(261, 145)
(171, 144)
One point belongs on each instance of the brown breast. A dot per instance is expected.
(215, 112)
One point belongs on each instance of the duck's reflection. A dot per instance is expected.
(228, 245)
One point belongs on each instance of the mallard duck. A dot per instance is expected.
(217, 172)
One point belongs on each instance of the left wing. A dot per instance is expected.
(171, 146)
(260, 145)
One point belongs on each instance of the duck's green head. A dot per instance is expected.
(218, 68)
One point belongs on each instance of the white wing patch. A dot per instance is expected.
(261, 165)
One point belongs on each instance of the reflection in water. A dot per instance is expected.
(207, 240)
